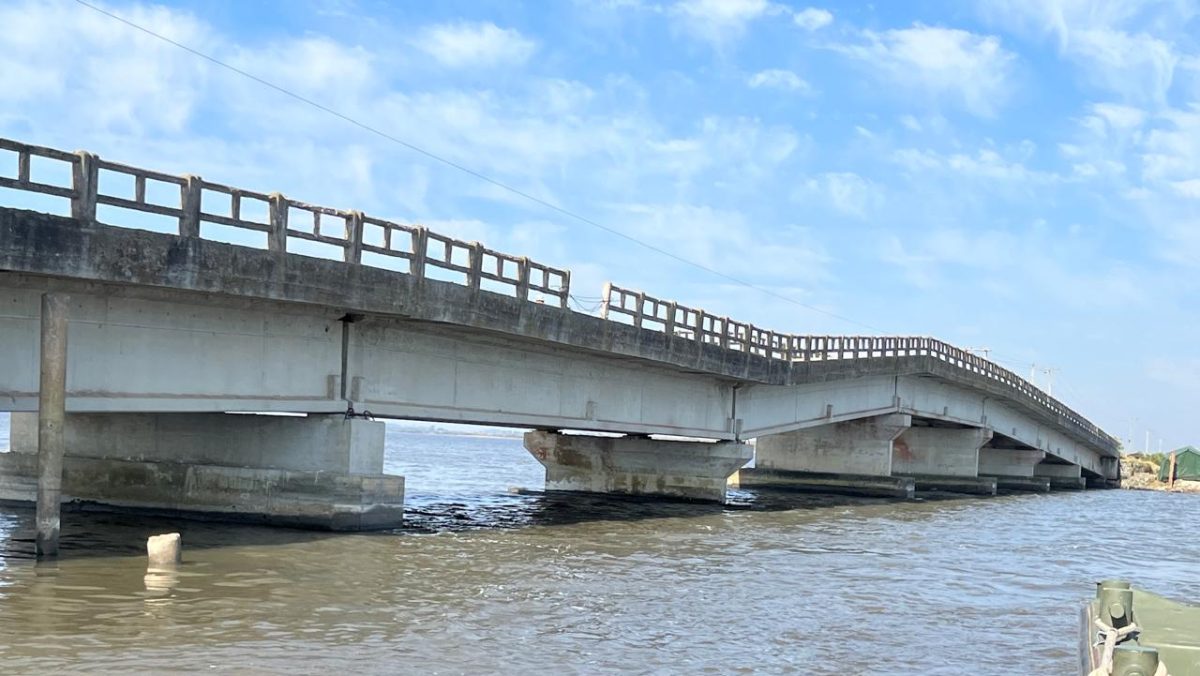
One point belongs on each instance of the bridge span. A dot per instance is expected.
(252, 302)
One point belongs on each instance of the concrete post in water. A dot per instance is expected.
(164, 551)
(1171, 472)
(52, 400)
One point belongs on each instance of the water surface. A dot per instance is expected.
(487, 580)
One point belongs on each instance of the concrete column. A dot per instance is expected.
(1062, 476)
(1013, 468)
(849, 457)
(322, 471)
(690, 470)
(943, 458)
(52, 411)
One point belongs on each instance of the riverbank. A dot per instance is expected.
(1142, 474)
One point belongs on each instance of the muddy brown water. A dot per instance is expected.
(484, 580)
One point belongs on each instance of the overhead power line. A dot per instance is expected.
(471, 172)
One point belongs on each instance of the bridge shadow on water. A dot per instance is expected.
(90, 533)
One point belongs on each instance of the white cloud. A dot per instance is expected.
(970, 70)
(774, 78)
(812, 19)
(1123, 46)
(985, 163)
(713, 237)
(464, 44)
(846, 192)
(720, 22)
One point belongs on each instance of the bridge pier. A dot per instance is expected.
(943, 459)
(690, 470)
(1013, 468)
(852, 457)
(319, 471)
(1062, 476)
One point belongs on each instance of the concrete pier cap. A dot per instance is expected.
(637, 465)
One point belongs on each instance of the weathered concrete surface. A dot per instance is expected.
(982, 485)
(857, 447)
(319, 500)
(318, 443)
(823, 482)
(688, 470)
(52, 411)
(55, 247)
(939, 452)
(1065, 483)
(1057, 470)
(164, 551)
(1009, 462)
(1023, 483)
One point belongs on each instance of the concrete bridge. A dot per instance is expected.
(347, 318)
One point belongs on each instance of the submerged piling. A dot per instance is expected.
(52, 401)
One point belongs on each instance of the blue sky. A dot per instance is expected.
(1022, 175)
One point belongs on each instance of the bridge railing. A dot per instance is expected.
(200, 203)
(648, 312)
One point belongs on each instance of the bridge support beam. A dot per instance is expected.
(1062, 476)
(853, 457)
(320, 471)
(943, 459)
(690, 470)
(1013, 468)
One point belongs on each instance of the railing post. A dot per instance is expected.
(670, 323)
(748, 340)
(189, 220)
(605, 299)
(277, 235)
(85, 174)
(700, 327)
(352, 253)
(523, 278)
(724, 332)
(639, 310)
(564, 294)
(475, 265)
(420, 242)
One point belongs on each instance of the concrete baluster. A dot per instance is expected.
(277, 228)
(189, 219)
(352, 250)
(605, 299)
(523, 278)
(52, 402)
(565, 292)
(475, 276)
(84, 175)
(420, 244)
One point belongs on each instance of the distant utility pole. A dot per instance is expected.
(1050, 371)
(983, 351)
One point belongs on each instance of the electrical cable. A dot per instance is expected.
(483, 177)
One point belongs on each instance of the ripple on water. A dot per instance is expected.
(484, 580)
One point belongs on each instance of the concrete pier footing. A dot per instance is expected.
(970, 485)
(1023, 483)
(320, 472)
(818, 482)
(690, 470)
